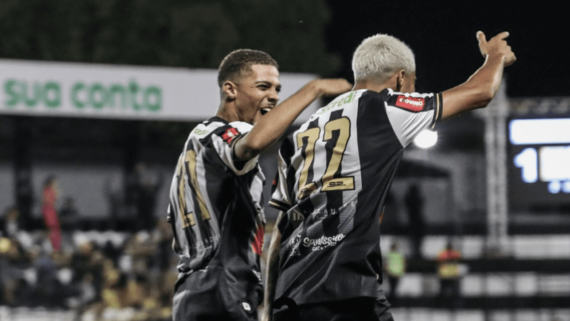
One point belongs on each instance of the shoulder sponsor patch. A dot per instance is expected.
(410, 103)
(230, 134)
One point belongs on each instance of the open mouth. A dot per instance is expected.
(265, 110)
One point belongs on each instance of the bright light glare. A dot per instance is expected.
(426, 139)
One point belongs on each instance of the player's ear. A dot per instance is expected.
(229, 88)
(401, 79)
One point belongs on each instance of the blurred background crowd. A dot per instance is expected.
(98, 275)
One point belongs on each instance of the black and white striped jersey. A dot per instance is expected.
(333, 176)
(215, 203)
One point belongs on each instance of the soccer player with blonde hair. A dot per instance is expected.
(335, 171)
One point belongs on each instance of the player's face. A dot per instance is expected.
(409, 85)
(257, 93)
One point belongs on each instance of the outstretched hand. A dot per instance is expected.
(496, 46)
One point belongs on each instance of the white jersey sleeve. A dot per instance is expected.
(411, 113)
(224, 142)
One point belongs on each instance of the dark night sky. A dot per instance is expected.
(442, 35)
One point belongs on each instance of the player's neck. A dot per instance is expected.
(371, 85)
(378, 84)
(228, 112)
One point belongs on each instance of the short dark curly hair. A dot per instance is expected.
(239, 62)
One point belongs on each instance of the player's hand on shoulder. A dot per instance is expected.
(496, 46)
(330, 87)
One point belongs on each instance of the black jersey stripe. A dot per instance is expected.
(285, 154)
(334, 198)
(310, 175)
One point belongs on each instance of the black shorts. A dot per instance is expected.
(209, 295)
(356, 309)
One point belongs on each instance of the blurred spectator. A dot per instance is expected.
(49, 212)
(49, 290)
(13, 261)
(115, 203)
(88, 263)
(147, 191)
(112, 252)
(395, 266)
(87, 290)
(11, 224)
(69, 215)
(162, 236)
(163, 256)
(449, 275)
(114, 284)
(416, 227)
(139, 251)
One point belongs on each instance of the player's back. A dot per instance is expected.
(335, 171)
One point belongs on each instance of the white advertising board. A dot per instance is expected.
(117, 91)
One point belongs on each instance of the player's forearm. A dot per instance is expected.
(488, 78)
(477, 91)
(271, 274)
(274, 124)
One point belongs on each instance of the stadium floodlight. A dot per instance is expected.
(426, 139)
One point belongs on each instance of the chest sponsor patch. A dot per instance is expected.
(230, 134)
(410, 103)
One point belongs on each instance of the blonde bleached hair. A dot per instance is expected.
(380, 56)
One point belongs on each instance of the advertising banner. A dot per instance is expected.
(57, 89)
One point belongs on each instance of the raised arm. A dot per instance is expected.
(272, 126)
(482, 86)
(271, 271)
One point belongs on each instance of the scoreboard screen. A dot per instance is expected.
(539, 163)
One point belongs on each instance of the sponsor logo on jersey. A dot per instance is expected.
(322, 242)
(199, 132)
(410, 103)
(336, 184)
(336, 103)
(230, 134)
